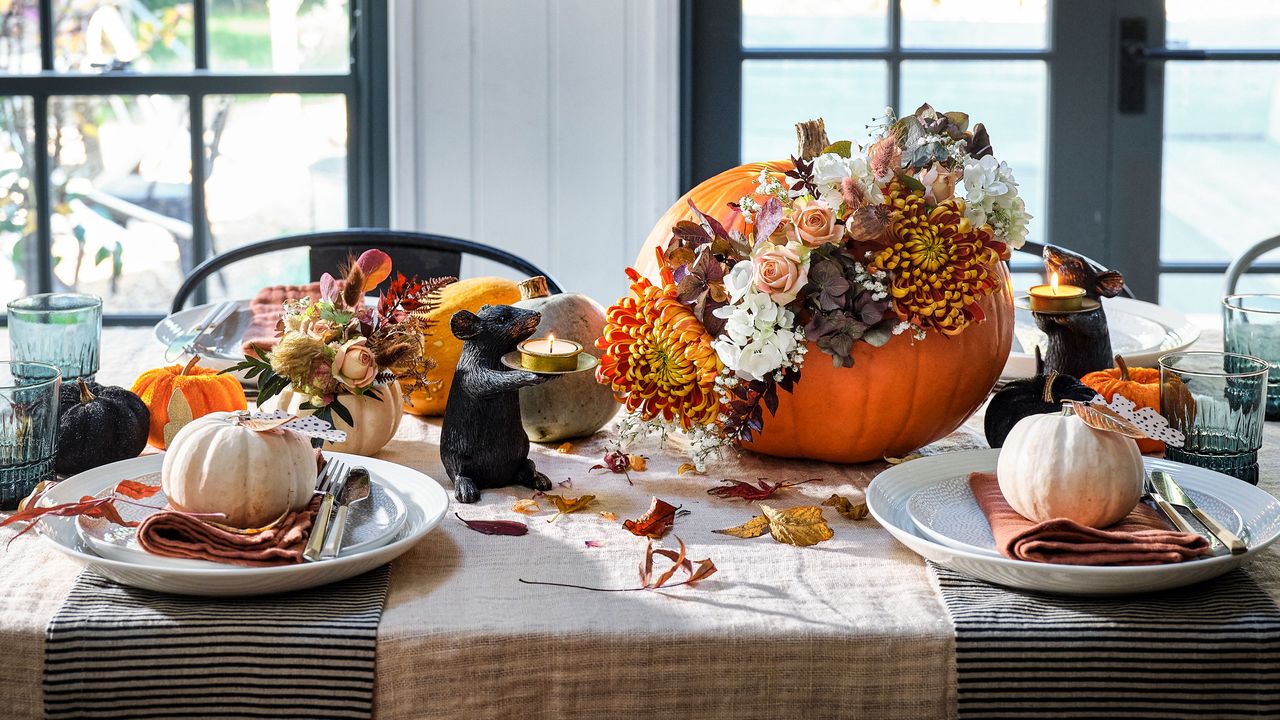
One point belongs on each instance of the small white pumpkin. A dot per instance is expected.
(217, 465)
(1056, 466)
(376, 421)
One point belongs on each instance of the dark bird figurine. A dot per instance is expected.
(483, 445)
(1079, 343)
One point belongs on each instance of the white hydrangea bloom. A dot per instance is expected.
(830, 170)
(989, 186)
(759, 337)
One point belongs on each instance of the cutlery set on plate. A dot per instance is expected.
(1167, 495)
(192, 340)
(342, 487)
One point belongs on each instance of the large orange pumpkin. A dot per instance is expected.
(895, 398)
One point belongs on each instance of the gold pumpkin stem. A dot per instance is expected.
(1124, 368)
(190, 365)
(86, 395)
(1068, 409)
(1048, 386)
(534, 287)
(812, 138)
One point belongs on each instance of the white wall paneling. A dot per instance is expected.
(544, 127)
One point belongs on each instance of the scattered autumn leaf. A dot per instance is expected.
(639, 463)
(847, 508)
(755, 527)
(687, 467)
(565, 505)
(526, 507)
(565, 448)
(762, 490)
(88, 506)
(495, 527)
(656, 521)
(904, 458)
(695, 571)
(799, 526)
(610, 516)
(136, 490)
(615, 461)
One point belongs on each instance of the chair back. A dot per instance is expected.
(412, 253)
(1241, 264)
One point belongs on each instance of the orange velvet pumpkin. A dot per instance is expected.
(1140, 385)
(203, 388)
(895, 398)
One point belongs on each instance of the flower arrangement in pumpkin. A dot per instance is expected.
(853, 244)
(339, 346)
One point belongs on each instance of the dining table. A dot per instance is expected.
(852, 627)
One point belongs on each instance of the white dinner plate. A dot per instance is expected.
(221, 347)
(370, 524)
(424, 499)
(1141, 331)
(948, 513)
(890, 493)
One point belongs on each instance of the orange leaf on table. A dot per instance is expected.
(696, 571)
(88, 506)
(565, 505)
(526, 507)
(655, 523)
(136, 490)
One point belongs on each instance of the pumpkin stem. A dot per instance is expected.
(1068, 409)
(86, 395)
(1048, 386)
(190, 365)
(1124, 368)
(534, 287)
(812, 137)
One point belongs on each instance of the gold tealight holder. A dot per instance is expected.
(549, 355)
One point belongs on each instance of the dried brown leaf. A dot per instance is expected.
(847, 508)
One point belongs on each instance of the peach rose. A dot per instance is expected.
(354, 364)
(939, 183)
(780, 272)
(814, 224)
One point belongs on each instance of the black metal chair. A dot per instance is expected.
(412, 253)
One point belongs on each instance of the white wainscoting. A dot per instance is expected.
(544, 127)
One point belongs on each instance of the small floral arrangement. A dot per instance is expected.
(853, 244)
(339, 346)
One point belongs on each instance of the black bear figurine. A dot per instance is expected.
(1079, 343)
(483, 444)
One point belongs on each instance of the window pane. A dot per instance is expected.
(815, 23)
(1201, 293)
(139, 35)
(1008, 97)
(282, 36)
(1218, 158)
(777, 94)
(1236, 24)
(120, 169)
(974, 23)
(19, 36)
(277, 166)
(17, 198)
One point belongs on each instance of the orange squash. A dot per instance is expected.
(895, 398)
(439, 342)
(204, 389)
(1140, 385)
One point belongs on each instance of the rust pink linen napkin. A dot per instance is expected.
(180, 535)
(1141, 538)
(266, 311)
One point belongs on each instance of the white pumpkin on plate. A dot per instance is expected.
(1056, 466)
(217, 465)
(376, 420)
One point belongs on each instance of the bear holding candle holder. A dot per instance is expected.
(1079, 341)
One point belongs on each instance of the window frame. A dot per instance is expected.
(364, 87)
(1099, 161)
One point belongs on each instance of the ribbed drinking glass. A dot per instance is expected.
(61, 329)
(1251, 326)
(28, 427)
(1218, 401)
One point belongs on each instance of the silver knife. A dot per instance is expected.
(315, 542)
(1177, 496)
(1166, 508)
(354, 490)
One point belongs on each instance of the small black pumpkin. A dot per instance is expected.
(1031, 396)
(99, 424)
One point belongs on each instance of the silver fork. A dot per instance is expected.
(333, 471)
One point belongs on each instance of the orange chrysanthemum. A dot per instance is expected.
(940, 263)
(658, 357)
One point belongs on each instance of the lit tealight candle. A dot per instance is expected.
(549, 354)
(1056, 298)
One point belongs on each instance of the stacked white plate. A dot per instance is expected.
(926, 504)
(404, 506)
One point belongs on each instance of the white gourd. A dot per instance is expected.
(376, 421)
(216, 465)
(1056, 466)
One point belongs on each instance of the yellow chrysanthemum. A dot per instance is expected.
(658, 357)
(941, 265)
